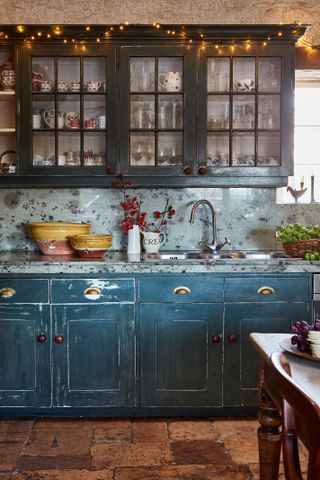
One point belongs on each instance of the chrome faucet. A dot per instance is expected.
(214, 246)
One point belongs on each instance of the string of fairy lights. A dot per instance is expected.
(64, 35)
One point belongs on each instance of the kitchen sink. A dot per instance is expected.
(207, 255)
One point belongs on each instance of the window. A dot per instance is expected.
(306, 138)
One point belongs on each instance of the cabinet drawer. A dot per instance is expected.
(181, 289)
(23, 291)
(265, 288)
(92, 290)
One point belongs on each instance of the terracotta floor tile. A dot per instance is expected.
(9, 451)
(85, 423)
(185, 472)
(16, 425)
(145, 431)
(244, 454)
(244, 426)
(192, 430)
(106, 474)
(112, 435)
(57, 448)
(5, 476)
(131, 454)
(200, 452)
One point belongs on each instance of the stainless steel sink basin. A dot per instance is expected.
(209, 256)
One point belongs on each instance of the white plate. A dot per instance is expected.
(288, 347)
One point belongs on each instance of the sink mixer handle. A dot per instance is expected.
(221, 245)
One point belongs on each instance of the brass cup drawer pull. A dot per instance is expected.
(7, 292)
(92, 293)
(265, 290)
(181, 290)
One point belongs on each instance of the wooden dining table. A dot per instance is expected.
(304, 370)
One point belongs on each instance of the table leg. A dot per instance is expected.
(269, 438)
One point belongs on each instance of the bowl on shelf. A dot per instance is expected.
(52, 237)
(92, 245)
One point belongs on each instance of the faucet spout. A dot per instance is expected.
(195, 206)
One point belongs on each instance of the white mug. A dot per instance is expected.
(36, 121)
(170, 82)
(93, 86)
(102, 121)
(46, 86)
(152, 241)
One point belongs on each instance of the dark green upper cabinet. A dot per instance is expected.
(209, 106)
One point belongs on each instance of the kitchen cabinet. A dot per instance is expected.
(142, 344)
(24, 344)
(264, 304)
(209, 108)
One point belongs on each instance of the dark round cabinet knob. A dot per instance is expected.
(41, 338)
(202, 170)
(187, 170)
(232, 337)
(110, 171)
(59, 338)
(216, 338)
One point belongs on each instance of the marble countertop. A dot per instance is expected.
(18, 262)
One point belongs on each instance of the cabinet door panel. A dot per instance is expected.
(24, 362)
(94, 366)
(180, 366)
(241, 360)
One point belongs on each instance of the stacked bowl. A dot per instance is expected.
(52, 238)
(91, 246)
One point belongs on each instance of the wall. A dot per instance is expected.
(248, 217)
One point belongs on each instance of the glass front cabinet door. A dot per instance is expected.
(156, 111)
(68, 111)
(246, 124)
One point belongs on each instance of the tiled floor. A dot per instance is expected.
(129, 449)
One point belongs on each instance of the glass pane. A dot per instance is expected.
(169, 149)
(94, 74)
(269, 74)
(268, 149)
(269, 112)
(170, 112)
(142, 149)
(94, 112)
(243, 74)
(217, 150)
(243, 149)
(142, 111)
(43, 149)
(142, 74)
(69, 109)
(42, 74)
(43, 113)
(94, 145)
(69, 73)
(218, 112)
(218, 74)
(8, 158)
(170, 76)
(69, 149)
(243, 112)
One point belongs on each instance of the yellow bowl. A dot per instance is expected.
(56, 230)
(98, 241)
(52, 237)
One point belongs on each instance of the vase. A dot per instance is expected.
(134, 246)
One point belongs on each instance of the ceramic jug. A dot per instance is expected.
(152, 241)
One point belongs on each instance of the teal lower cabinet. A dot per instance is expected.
(259, 303)
(25, 356)
(94, 355)
(179, 363)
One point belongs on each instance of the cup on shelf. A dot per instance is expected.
(93, 86)
(61, 119)
(74, 86)
(91, 123)
(36, 120)
(49, 118)
(102, 121)
(46, 86)
(63, 86)
(72, 120)
(170, 82)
